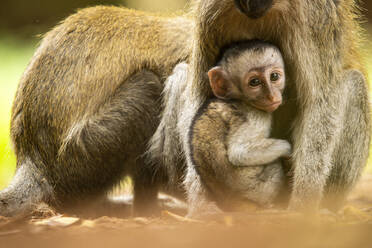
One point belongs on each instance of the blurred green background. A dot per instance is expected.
(22, 22)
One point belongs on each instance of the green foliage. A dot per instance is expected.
(14, 56)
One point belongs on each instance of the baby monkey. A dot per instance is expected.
(229, 143)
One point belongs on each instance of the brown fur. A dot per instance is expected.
(79, 121)
(210, 144)
(209, 147)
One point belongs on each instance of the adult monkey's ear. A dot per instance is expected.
(218, 82)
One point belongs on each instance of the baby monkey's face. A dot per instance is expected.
(256, 77)
(262, 87)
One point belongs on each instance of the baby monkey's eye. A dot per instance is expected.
(274, 76)
(254, 82)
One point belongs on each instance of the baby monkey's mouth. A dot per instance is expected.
(254, 8)
(269, 107)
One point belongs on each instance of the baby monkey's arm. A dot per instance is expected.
(247, 149)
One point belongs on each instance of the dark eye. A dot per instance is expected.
(274, 76)
(254, 82)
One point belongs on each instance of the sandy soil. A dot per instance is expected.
(352, 227)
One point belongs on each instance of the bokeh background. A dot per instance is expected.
(22, 22)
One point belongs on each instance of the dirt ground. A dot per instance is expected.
(352, 227)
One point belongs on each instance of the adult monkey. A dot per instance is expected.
(80, 120)
(328, 92)
(87, 60)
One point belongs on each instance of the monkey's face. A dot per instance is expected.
(255, 76)
(262, 79)
(254, 8)
(262, 87)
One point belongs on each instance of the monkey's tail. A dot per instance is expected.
(25, 192)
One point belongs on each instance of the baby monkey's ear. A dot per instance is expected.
(218, 82)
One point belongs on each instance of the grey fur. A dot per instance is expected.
(319, 42)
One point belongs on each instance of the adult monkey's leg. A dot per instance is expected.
(351, 152)
(96, 153)
(114, 140)
(328, 152)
